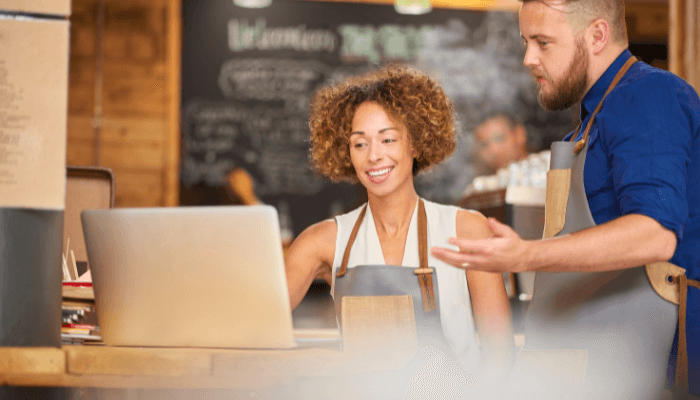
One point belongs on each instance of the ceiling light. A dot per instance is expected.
(252, 3)
(413, 7)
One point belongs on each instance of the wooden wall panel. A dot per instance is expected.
(83, 41)
(83, 75)
(684, 36)
(135, 138)
(130, 155)
(129, 130)
(135, 97)
(139, 188)
(81, 98)
(155, 70)
(80, 152)
(117, 155)
(647, 21)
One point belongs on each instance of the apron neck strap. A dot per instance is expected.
(422, 235)
(584, 140)
(422, 238)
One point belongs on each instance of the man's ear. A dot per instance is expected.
(598, 35)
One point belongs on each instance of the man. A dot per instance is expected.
(501, 140)
(642, 168)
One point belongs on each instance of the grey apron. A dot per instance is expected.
(390, 280)
(617, 316)
(418, 378)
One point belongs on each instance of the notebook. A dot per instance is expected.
(189, 277)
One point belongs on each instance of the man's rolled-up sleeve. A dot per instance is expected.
(648, 139)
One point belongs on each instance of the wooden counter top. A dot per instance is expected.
(104, 366)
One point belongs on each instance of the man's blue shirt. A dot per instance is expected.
(644, 158)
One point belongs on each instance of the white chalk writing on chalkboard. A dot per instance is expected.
(269, 143)
(386, 42)
(243, 36)
(270, 79)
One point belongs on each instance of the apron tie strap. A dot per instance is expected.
(681, 381)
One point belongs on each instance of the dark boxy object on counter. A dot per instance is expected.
(30, 277)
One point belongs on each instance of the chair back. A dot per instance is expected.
(86, 188)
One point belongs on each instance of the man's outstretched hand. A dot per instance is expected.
(505, 251)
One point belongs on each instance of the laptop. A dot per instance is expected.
(189, 277)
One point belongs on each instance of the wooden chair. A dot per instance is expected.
(86, 188)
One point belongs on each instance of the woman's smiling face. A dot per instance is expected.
(380, 150)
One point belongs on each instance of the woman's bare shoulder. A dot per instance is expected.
(322, 231)
(317, 240)
(472, 224)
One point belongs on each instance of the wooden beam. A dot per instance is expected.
(171, 187)
(676, 37)
(693, 48)
(684, 40)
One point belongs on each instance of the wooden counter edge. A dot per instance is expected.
(137, 361)
(113, 367)
(32, 360)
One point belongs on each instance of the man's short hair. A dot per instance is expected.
(582, 12)
(508, 117)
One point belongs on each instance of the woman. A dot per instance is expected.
(381, 129)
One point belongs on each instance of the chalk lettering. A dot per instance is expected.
(270, 79)
(242, 37)
(270, 143)
(387, 42)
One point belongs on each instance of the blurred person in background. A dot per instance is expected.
(501, 140)
(504, 155)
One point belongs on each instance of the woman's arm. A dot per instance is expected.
(310, 255)
(489, 304)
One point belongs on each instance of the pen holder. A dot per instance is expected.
(30, 277)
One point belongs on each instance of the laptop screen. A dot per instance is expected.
(189, 276)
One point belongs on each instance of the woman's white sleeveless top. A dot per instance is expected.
(455, 304)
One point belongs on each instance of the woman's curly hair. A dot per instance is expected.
(406, 94)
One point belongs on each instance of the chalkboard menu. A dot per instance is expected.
(248, 76)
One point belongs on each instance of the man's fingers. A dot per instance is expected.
(472, 247)
(449, 256)
(455, 258)
(465, 245)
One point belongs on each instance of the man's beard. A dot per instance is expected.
(572, 87)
